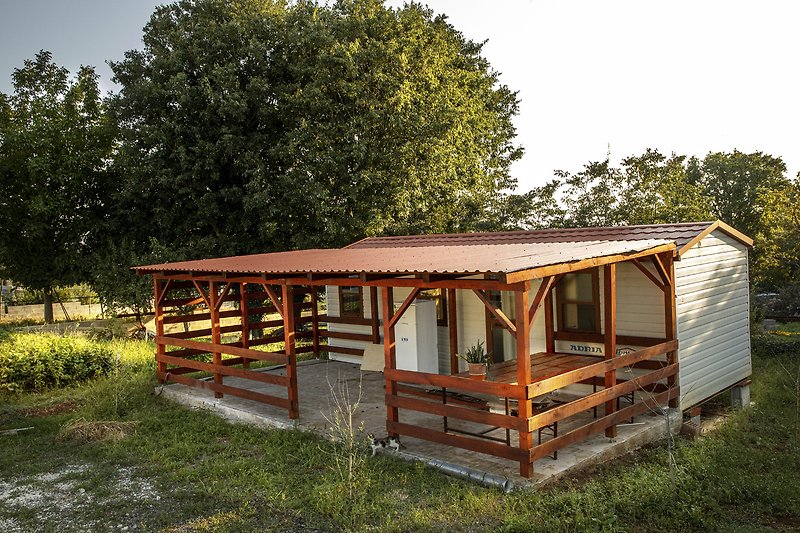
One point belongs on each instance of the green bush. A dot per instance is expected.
(36, 361)
(776, 344)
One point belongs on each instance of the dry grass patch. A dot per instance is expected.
(52, 409)
(82, 430)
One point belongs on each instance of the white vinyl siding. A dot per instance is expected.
(712, 302)
(332, 296)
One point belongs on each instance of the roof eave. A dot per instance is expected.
(565, 268)
(717, 225)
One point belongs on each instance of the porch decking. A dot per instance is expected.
(315, 379)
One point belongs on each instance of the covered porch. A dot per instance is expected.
(314, 377)
(534, 406)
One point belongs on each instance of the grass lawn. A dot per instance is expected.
(183, 470)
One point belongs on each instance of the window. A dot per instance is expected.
(351, 302)
(440, 297)
(578, 302)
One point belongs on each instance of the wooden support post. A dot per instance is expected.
(216, 336)
(158, 309)
(289, 349)
(315, 320)
(374, 313)
(389, 360)
(244, 308)
(550, 342)
(670, 321)
(523, 345)
(452, 323)
(610, 334)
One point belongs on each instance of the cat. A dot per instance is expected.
(393, 443)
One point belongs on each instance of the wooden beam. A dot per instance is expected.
(564, 268)
(385, 281)
(547, 284)
(219, 389)
(280, 307)
(452, 326)
(315, 321)
(216, 335)
(670, 322)
(219, 301)
(206, 298)
(244, 310)
(523, 349)
(560, 412)
(389, 355)
(657, 282)
(164, 292)
(404, 306)
(610, 334)
(374, 315)
(606, 365)
(549, 338)
(458, 441)
(289, 347)
(722, 226)
(497, 313)
(158, 293)
(578, 434)
(460, 383)
(656, 260)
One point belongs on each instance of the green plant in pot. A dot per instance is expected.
(476, 359)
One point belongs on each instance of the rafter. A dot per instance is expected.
(273, 296)
(498, 314)
(202, 293)
(657, 282)
(402, 309)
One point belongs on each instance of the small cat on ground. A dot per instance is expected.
(390, 442)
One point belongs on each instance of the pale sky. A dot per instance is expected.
(683, 76)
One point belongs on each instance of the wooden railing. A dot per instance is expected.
(353, 321)
(653, 387)
(184, 364)
(655, 394)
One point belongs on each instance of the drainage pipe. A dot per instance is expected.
(471, 474)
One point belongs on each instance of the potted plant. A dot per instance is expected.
(476, 359)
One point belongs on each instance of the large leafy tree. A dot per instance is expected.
(778, 238)
(55, 143)
(256, 126)
(647, 189)
(735, 183)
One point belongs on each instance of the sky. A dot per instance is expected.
(593, 77)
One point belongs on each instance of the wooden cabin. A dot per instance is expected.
(654, 315)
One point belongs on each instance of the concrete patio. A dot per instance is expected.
(316, 379)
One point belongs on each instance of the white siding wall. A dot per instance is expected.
(332, 297)
(712, 298)
(640, 308)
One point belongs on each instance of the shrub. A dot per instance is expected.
(776, 344)
(36, 361)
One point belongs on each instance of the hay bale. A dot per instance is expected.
(83, 431)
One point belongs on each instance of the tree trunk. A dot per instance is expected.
(48, 306)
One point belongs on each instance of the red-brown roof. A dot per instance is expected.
(479, 258)
(681, 234)
(500, 253)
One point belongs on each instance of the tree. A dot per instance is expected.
(778, 238)
(257, 126)
(735, 183)
(646, 189)
(55, 143)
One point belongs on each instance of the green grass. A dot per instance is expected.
(791, 327)
(187, 470)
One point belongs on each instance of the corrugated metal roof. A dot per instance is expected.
(439, 259)
(680, 234)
